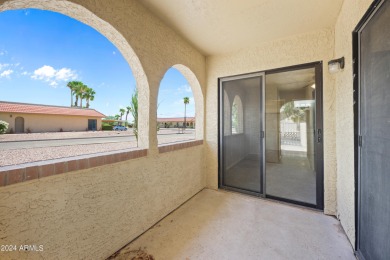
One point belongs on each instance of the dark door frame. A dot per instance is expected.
(221, 132)
(319, 133)
(374, 7)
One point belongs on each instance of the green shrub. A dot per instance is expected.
(3, 127)
(107, 127)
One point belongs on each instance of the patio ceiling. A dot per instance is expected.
(220, 26)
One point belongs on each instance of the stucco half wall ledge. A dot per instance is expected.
(38, 170)
(87, 17)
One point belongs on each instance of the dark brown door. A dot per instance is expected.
(19, 124)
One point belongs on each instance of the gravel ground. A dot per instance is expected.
(19, 156)
(12, 157)
(62, 135)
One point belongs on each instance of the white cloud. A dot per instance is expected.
(184, 88)
(53, 76)
(24, 73)
(65, 74)
(3, 66)
(113, 52)
(43, 73)
(6, 73)
(53, 84)
(3, 52)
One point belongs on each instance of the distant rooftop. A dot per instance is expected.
(26, 108)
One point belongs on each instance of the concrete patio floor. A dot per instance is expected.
(225, 225)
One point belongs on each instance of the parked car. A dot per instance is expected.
(119, 128)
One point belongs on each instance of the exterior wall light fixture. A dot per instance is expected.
(336, 65)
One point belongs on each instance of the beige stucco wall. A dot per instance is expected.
(50, 123)
(92, 213)
(351, 13)
(299, 49)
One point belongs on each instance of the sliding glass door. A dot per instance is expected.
(271, 134)
(293, 135)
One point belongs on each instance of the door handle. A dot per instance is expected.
(319, 136)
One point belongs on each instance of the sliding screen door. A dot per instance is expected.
(374, 132)
(241, 133)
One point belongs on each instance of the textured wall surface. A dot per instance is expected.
(90, 214)
(351, 13)
(310, 47)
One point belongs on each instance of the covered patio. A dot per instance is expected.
(169, 200)
(225, 225)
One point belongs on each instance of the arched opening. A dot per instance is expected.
(19, 124)
(85, 16)
(237, 116)
(227, 114)
(179, 106)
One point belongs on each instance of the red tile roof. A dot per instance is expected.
(176, 119)
(13, 107)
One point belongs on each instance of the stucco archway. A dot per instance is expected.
(237, 116)
(87, 17)
(198, 97)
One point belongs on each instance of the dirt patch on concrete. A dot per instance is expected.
(132, 255)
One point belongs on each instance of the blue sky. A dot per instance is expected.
(40, 51)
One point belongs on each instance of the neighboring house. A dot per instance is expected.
(34, 118)
(176, 122)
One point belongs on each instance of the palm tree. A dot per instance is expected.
(122, 111)
(77, 91)
(82, 90)
(134, 112)
(72, 85)
(117, 116)
(89, 95)
(186, 101)
(128, 109)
